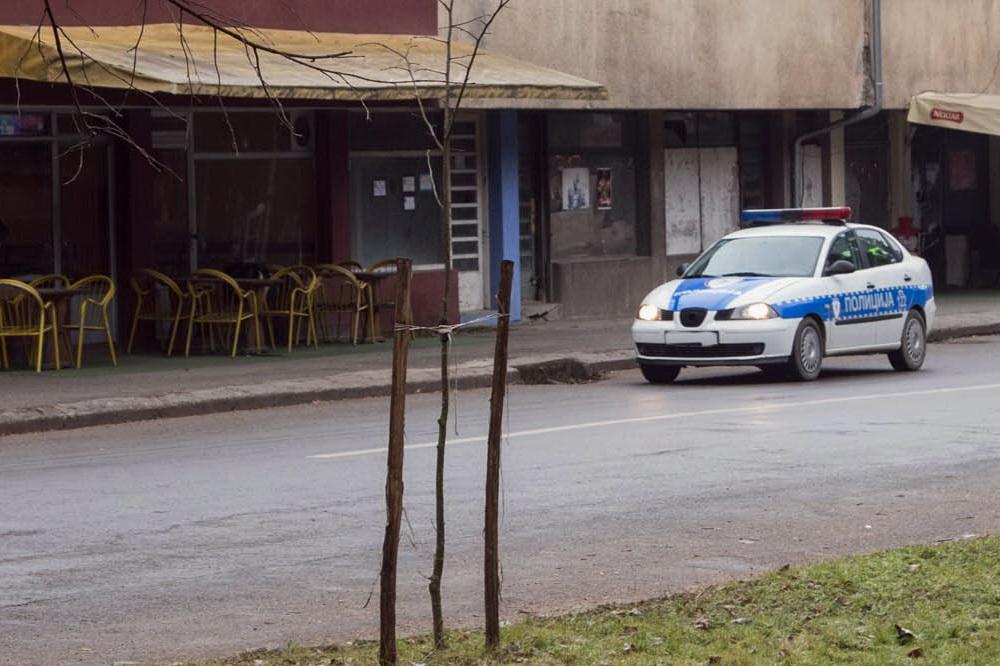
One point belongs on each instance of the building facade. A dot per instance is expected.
(706, 101)
(597, 200)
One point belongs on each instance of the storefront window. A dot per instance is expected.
(592, 183)
(26, 217)
(256, 206)
(259, 211)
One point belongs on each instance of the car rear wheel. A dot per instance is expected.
(659, 374)
(913, 345)
(807, 352)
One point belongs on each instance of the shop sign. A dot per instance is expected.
(24, 124)
(956, 117)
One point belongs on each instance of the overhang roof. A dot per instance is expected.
(969, 112)
(200, 60)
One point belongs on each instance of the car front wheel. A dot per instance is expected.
(659, 374)
(807, 352)
(913, 346)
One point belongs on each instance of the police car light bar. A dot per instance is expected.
(761, 217)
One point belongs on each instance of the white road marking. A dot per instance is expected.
(668, 417)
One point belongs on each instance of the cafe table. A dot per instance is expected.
(60, 298)
(373, 278)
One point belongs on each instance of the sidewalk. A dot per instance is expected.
(145, 387)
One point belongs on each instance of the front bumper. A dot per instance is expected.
(739, 342)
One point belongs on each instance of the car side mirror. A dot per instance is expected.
(682, 269)
(841, 267)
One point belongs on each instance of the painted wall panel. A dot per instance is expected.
(720, 193)
(681, 201)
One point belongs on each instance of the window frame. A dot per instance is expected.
(894, 253)
(860, 262)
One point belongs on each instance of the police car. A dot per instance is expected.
(790, 288)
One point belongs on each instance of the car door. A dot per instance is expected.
(885, 277)
(845, 330)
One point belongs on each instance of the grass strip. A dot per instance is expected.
(927, 604)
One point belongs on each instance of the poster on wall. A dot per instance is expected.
(961, 170)
(409, 203)
(426, 183)
(605, 198)
(576, 188)
(409, 183)
(378, 187)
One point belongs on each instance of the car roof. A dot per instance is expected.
(816, 229)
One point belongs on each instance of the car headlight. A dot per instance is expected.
(756, 311)
(648, 312)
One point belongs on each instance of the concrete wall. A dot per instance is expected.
(695, 54)
(941, 45)
(608, 287)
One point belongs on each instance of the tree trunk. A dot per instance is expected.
(434, 587)
(491, 531)
(394, 474)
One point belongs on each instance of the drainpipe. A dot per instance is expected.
(865, 114)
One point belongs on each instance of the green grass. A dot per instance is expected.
(839, 612)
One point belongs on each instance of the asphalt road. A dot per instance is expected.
(205, 536)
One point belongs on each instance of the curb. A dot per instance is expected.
(942, 334)
(110, 411)
(472, 375)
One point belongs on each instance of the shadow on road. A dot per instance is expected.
(753, 377)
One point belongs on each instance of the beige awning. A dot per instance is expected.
(203, 61)
(968, 112)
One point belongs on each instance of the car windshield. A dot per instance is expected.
(759, 256)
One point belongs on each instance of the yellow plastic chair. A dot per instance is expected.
(218, 300)
(343, 293)
(23, 314)
(96, 292)
(291, 299)
(50, 281)
(146, 286)
(350, 265)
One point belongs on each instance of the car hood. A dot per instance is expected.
(717, 293)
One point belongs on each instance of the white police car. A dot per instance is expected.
(791, 287)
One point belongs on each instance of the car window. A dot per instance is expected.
(759, 256)
(876, 248)
(894, 246)
(842, 248)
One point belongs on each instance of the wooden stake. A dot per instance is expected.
(491, 532)
(394, 475)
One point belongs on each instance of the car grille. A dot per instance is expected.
(694, 351)
(692, 317)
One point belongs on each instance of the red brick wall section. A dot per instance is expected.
(359, 16)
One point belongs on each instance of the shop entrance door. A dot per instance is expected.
(85, 241)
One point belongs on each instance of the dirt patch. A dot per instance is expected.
(559, 371)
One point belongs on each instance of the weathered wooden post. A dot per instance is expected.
(491, 531)
(394, 474)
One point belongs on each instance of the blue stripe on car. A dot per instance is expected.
(857, 304)
(713, 293)
(719, 293)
